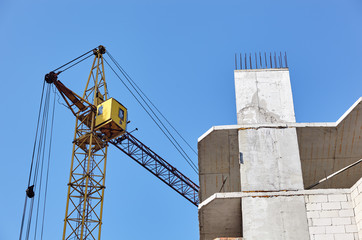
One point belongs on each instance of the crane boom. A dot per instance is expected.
(159, 167)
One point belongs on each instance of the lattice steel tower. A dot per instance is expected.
(83, 217)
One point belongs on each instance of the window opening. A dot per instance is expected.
(100, 110)
(121, 114)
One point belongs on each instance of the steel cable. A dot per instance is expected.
(151, 103)
(35, 181)
(76, 63)
(39, 162)
(42, 160)
(48, 165)
(73, 60)
(188, 161)
(130, 82)
(32, 160)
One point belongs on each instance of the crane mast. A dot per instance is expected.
(84, 207)
(99, 121)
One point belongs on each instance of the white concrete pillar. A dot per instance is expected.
(263, 96)
(269, 155)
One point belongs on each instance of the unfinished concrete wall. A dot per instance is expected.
(327, 148)
(356, 195)
(274, 218)
(330, 214)
(256, 165)
(263, 96)
(218, 163)
(220, 218)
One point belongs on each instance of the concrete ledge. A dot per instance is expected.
(277, 125)
(227, 238)
(232, 195)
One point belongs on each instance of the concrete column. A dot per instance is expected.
(263, 96)
(270, 159)
(269, 155)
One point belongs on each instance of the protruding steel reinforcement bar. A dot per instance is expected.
(275, 60)
(147, 158)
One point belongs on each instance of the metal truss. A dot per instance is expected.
(143, 155)
(84, 208)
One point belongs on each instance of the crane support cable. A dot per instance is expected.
(41, 150)
(155, 115)
(90, 55)
(40, 161)
(190, 162)
(48, 165)
(75, 59)
(120, 67)
(164, 129)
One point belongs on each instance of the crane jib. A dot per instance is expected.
(144, 156)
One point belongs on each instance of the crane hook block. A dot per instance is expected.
(51, 77)
(30, 191)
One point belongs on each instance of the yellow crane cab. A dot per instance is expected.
(111, 118)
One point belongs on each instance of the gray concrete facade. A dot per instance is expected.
(252, 175)
(278, 217)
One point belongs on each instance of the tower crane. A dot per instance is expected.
(102, 121)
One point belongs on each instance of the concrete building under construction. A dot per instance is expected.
(257, 178)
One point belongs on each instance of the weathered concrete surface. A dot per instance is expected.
(265, 215)
(270, 159)
(325, 149)
(218, 162)
(330, 212)
(231, 238)
(264, 159)
(263, 96)
(275, 218)
(220, 218)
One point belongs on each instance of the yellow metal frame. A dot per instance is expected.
(84, 207)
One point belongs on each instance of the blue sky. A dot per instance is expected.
(182, 56)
